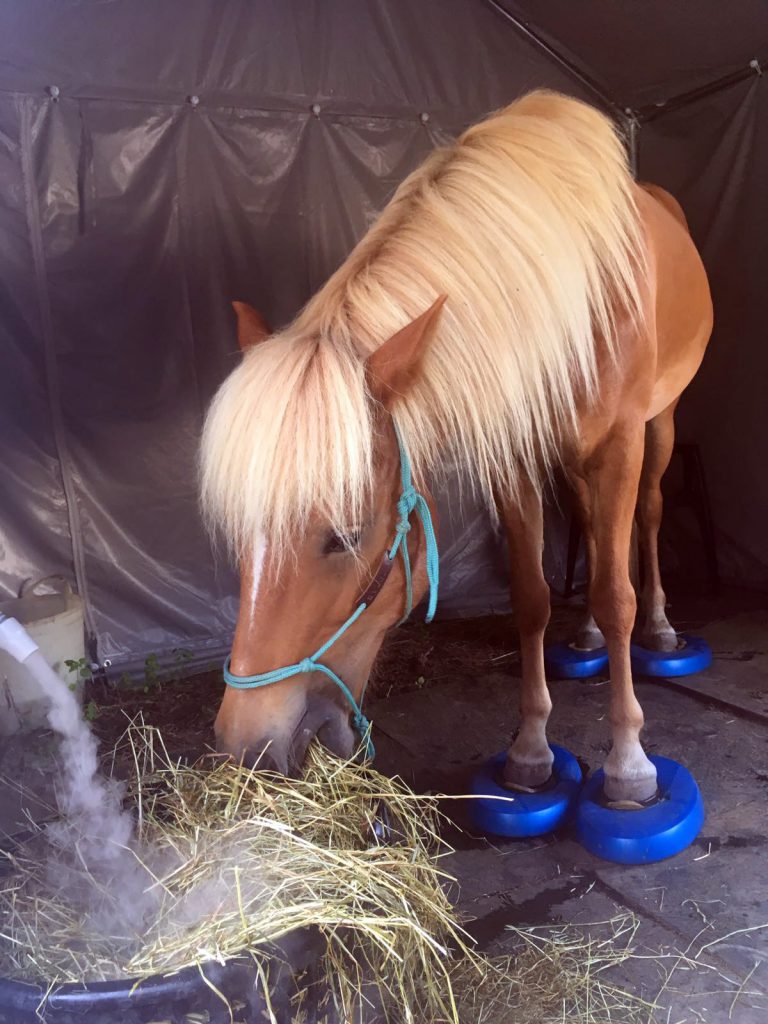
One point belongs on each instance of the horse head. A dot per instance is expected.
(292, 602)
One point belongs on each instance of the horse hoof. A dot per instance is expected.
(692, 654)
(589, 639)
(516, 775)
(501, 811)
(567, 661)
(642, 833)
(666, 640)
(638, 791)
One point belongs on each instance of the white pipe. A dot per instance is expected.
(16, 640)
(64, 713)
(91, 804)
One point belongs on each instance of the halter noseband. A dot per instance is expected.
(410, 500)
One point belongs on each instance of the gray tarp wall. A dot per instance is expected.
(159, 158)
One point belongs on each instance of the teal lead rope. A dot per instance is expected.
(410, 501)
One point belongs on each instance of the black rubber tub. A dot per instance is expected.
(293, 968)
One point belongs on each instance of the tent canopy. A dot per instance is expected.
(159, 158)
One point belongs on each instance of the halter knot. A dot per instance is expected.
(361, 723)
(307, 665)
(406, 503)
(363, 729)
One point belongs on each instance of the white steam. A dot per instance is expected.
(116, 884)
(94, 856)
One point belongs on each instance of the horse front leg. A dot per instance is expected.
(529, 760)
(613, 473)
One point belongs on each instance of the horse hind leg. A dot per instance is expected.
(588, 636)
(613, 474)
(529, 760)
(653, 630)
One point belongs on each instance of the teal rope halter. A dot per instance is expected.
(410, 501)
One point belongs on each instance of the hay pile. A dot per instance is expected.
(235, 859)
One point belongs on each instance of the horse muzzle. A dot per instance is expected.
(283, 749)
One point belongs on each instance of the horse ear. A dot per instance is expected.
(395, 365)
(251, 325)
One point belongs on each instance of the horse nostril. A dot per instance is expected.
(301, 740)
(338, 735)
(267, 758)
(329, 723)
(264, 756)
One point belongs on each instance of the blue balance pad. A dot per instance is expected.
(693, 656)
(563, 661)
(643, 836)
(505, 812)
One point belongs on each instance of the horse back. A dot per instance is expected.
(667, 200)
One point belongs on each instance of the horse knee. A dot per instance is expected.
(614, 605)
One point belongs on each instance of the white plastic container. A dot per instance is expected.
(54, 620)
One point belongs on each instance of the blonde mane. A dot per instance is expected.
(528, 224)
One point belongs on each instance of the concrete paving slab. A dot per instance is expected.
(738, 675)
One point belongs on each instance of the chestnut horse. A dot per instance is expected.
(520, 304)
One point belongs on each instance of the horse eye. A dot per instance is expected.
(336, 543)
